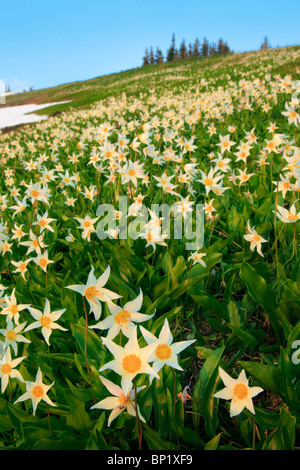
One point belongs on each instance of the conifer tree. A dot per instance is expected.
(146, 60)
(159, 58)
(220, 49)
(226, 48)
(182, 50)
(205, 48)
(196, 48)
(212, 49)
(151, 56)
(171, 51)
(265, 44)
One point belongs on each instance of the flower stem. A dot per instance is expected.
(85, 350)
(49, 419)
(174, 403)
(139, 424)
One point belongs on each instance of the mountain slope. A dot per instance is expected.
(176, 74)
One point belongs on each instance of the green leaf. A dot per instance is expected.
(288, 391)
(267, 375)
(155, 442)
(213, 443)
(204, 391)
(159, 397)
(260, 293)
(210, 303)
(83, 394)
(94, 343)
(245, 337)
(77, 418)
(283, 438)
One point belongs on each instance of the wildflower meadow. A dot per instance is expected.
(150, 264)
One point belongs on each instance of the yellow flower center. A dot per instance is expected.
(22, 267)
(87, 224)
(124, 400)
(11, 335)
(34, 193)
(131, 172)
(43, 262)
(6, 369)
(208, 182)
(163, 352)
(240, 391)
(122, 317)
(256, 238)
(38, 391)
(131, 363)
(45, 321)
(43, 223)
(35, 243)
(14, 309)
(91, 292)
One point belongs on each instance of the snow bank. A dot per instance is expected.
(14, 115)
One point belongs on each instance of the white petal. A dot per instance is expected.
(227, 380)
(136, 304)
(111, 387)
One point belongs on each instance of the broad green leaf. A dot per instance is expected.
(260, 293)
(78, 417)
(204, 401)
(155, 441)
(213, 443)
(210, 303)
(267, 375)
(283, 438)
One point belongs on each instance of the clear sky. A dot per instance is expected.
(49, 42)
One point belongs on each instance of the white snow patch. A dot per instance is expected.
(14, 115)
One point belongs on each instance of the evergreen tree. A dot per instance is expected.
(146, 59)
(226, 48)
(196, 48)
(151, 56)
(159, 58)
(190, 50)
(212, 49)
(182, 50)
(265, 44)
(205, 48)
(220, 49)
(171, 51)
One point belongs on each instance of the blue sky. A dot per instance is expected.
(46, 43)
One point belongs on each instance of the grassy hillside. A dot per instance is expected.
(139, 80)
(193, 327)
